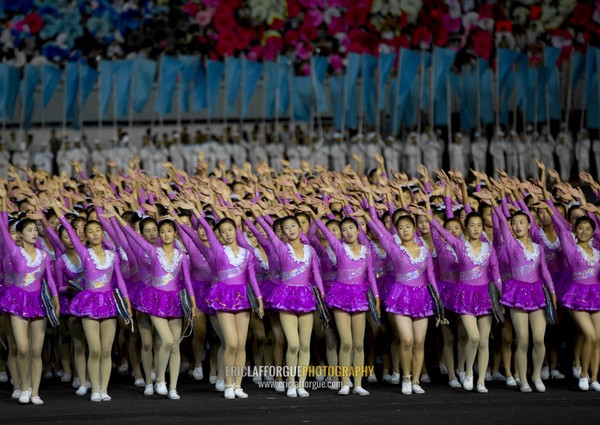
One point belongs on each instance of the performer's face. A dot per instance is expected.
(454, 228)
(474, 228)
(335, 229)
(584, 232)
(349, 232)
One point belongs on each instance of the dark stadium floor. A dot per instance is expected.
(200, 403)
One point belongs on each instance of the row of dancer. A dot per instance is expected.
(416, 244)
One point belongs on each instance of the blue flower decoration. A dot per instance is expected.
(99, 26)
(54, 52)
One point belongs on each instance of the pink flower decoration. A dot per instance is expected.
(203, 18)
(211, 3)
(191, 8)
(336, 62)
(309, 4)
(451, 24)
(313, 17)
(255, 53)
(272, 47)
(483, 42)
(277, 24)
(305, 69)
(303, 51)
(34, 22)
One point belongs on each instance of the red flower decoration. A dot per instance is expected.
(243, 38)
(223, 20)
(336, 62)
(277, 24)
(420, 36)
(293, 8)
(483, 42)
(191, 8)
(255, 53)
(307, 32)
(440, 36)
(504, 26)
(357, 15)
(536, 12)
(337, 25)
(582, 14)
(229, 4)
(451, 24)
(291, 38)
(34, 22)
(272, 47)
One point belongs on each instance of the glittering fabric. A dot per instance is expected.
(523, 295)
(201, 292)
(231, 298)
(95, 305)
(468, 299)
(19, 302)
(413, 301)
(158, 302)
(298, 299)
(266, 289)
(288, 276)
(65, 304)
(444, 290)
(578, 296)
(347, 297)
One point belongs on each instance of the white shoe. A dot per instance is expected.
(510, 382)
(229, 393)
(595, 386)
(82, 390)
(454, 383)
(584, 384)
(257, 379)
(577, 372)
(76, 382)
(161, 388)
(149, 390)
(545, 375)
(220, 385)
(198, 374)
(372, 378)
(335, 385)
(25, 397)
(140, 383)
(212, 379)
(269, 378)
(279, 386)
(16, 394)
(360, 391)
(123, 369)
(96, 397)
(3, 377)
(387, 378)
(481, 389)
(395, 378)
(497, 376)
(488, 376)
(105, 397)
(291, 392)
(443, 368)
(37, 400)
(416, 388)
(468, 383)
(425, 378)
(302, 392)
(461, 375)
(555, 374)
(525, 388)
(173, 395)
(406, 387)
(539, 386)
(60, 373)
(239, 393)
(345, 390)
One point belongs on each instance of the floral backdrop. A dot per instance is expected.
(63, 30)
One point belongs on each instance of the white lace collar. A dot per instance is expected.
(235, 260)
(305, 257)
(361, 255)
(593, 260)
(331, 255)
(546, 241)
(164, 263)
(480, 258)
(109, 258)
(39, 256)
(380, 252)
(530, 255)
(423, 251)
(73, 268)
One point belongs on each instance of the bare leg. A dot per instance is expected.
(520, 321)
(145, 329)
(108, 329)
(537, 320)
(484, 323)
(199, 339)
(79, 348)
(289, 323)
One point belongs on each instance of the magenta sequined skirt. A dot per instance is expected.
(296, 299)
(561, 284)
(413, 301)
(266, 289)
(468, 299)
(523, 295)
(228, 298)
(157, 302)
(133, 288)
(581, 297)
(95, 305)
(19, 302)
(65, 304)
(348, 298)
(445, 290)
(202, 292)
